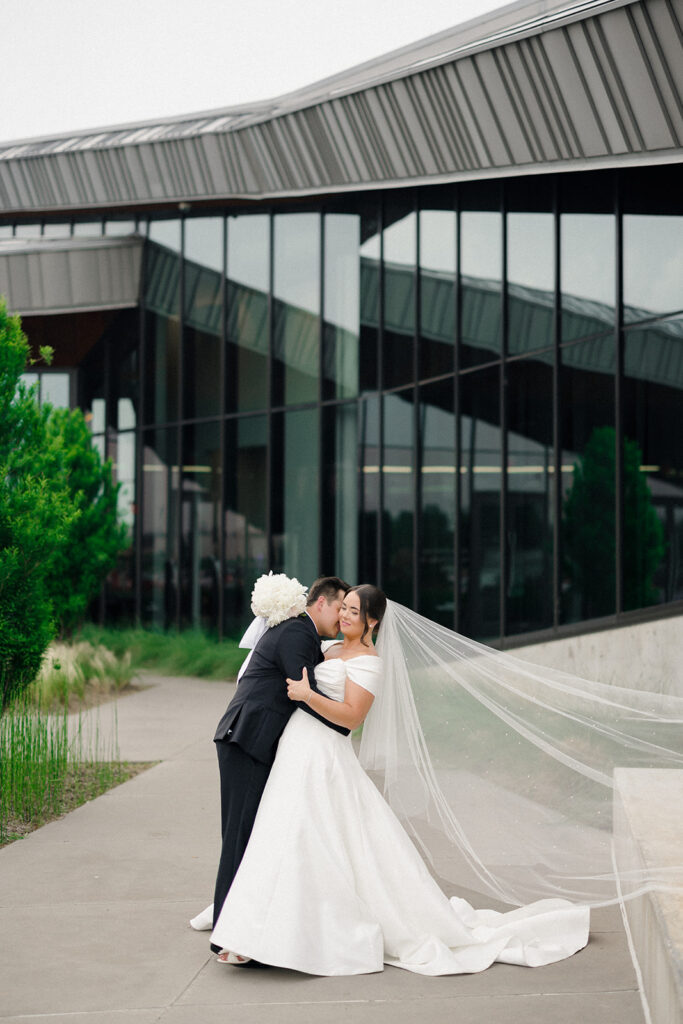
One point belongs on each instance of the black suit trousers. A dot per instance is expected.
(242, 783)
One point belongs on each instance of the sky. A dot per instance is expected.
(74, 64)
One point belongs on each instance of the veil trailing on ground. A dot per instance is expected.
(502, 771)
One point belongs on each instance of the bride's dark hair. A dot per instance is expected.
(373, 604)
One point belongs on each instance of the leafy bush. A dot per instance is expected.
(34, 519)
(93, 537)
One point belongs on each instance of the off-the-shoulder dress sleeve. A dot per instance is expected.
(366, 671)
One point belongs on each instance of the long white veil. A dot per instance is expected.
(502, 771)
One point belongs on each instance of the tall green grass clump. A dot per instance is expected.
(190, 653)
(50, 764)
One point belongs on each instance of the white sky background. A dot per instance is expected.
(73, 64)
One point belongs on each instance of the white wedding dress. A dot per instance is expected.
(331, 884)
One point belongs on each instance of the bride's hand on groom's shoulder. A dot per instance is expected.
(298, 689)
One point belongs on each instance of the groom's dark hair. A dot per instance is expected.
(327, 587)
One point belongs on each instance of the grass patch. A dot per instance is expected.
(79, 675)
(190, 653)
(49, 765)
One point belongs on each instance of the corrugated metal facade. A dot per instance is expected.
(593, 85)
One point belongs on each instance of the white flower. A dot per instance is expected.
(276, 597)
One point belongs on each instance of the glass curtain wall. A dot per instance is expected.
(469, 395)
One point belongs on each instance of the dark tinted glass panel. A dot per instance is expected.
(200, 525)
(437, 527)
(653, 464)
(530, 483)
(296, 482)
(587, 273)
(340, 491)
(400, 255)
(341, 330)
(438, 249)
(124, 370)
(481, 256)
(480, 480)
(162, 323)
(369, 464)
(203, 267)
(119, 590)
(246, 500)
(296, 307)
(531, 280)
(247, 312)
(162, 341)
(159, 543)
(399, 496)
(653, 266)
(91, 398)
(588, 440)
(370, 246)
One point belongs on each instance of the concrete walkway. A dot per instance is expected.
(94, 913)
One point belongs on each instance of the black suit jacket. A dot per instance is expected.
(260, 709)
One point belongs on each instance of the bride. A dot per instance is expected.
(330, 883)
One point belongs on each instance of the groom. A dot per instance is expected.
(248, 733)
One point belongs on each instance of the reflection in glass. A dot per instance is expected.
(166, 233)
(246, 537)
(653, 465)
(437, 291)
(587, 273)
(437, 530)
(296, 483)
(340, 491)
(162, 328)
(119, 227)
(653, 266)
(341, 313)
(481, 255)
(480, 480)
(530, 488)
(400, 255)
(588, 569)
(159, 543)
(200, 526)
(203, 267)
(87, 228)
(296, 307)
(27, 231)
(247, 312)
(531, 281)
(55, 389)
(53, 230)
(398, 479)
(119, 591)
(369, 463)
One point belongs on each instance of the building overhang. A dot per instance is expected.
(533, 87)
(71, 275)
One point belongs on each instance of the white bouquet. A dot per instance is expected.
(276, 597)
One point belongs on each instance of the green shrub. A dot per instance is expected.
(34, 518)
(190, 653)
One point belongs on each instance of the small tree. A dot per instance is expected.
(590, 524)
(94, 537)
(34, 518)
